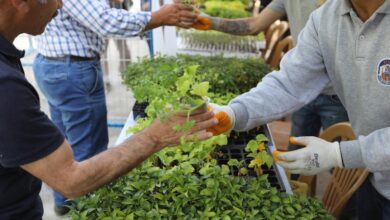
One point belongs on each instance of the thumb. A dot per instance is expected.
(301, 141)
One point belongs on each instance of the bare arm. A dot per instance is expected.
(176, 14)
(244, 26)
(73, 179)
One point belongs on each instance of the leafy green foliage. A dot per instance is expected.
(226, 9)
(227, 77)
(185, 182)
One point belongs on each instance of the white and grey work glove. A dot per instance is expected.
(318, 155)
(226, 118)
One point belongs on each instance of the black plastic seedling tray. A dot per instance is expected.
(236, 150)
(139, 109)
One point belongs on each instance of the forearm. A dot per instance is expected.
(105, 167)
(246, 26)
(369, 151)
(235, 27)
(154, 22)
(104, 20)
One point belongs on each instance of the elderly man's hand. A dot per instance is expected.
(176, 14)
(317, 156)
(164, 133)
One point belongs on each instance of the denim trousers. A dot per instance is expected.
(75, 92)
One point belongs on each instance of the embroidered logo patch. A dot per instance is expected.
(383, 74)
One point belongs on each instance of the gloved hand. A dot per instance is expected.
(203, 22)
(225, 116)
(318, 155)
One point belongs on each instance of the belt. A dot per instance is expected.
(73, 58)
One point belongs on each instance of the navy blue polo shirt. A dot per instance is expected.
(26, 135)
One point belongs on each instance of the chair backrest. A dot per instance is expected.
(344, 182)
(281, 48)
(272, 36)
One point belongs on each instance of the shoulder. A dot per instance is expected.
(329, 7)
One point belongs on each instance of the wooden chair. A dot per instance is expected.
(344, 182)
(272, 36)
(281, 48)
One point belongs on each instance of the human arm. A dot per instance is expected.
(301, 78)
(106, 21)
(176, 14)
(73, 179)
(243, 26)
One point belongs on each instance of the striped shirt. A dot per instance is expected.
(81, 25)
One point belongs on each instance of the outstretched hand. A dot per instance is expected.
(164, 132)
(176, 14)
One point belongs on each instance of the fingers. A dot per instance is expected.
(301, 141)
(202, 116)
(296, 165)
(200, 135)
(292, 155)
(188, 19)
(203, 125)
(182, 6)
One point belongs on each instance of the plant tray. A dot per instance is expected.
(139, 109)
(236, 150)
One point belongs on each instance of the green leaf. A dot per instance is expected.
(251, 146)
(225, 170)
(261, 138)
(235, 163)
(130, 216)
(200, 89)
(183, 86)
(221, 140)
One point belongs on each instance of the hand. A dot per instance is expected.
(163, 133)
(203, 23)
(175, 14)
(225, 116)
(318, 155)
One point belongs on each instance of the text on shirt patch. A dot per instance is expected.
(383, 74)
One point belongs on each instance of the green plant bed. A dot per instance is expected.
(227, 76)
(186, 182)
(242, 148)
(226, 9)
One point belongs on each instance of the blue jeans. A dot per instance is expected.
(370, 204)
(75, 92)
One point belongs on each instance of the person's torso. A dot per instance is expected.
(19, 190)
(65, 35)
(298, 12)
(356, 56)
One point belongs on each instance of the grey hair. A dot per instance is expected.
(42, 1)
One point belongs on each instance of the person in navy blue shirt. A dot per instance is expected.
(32, 149)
